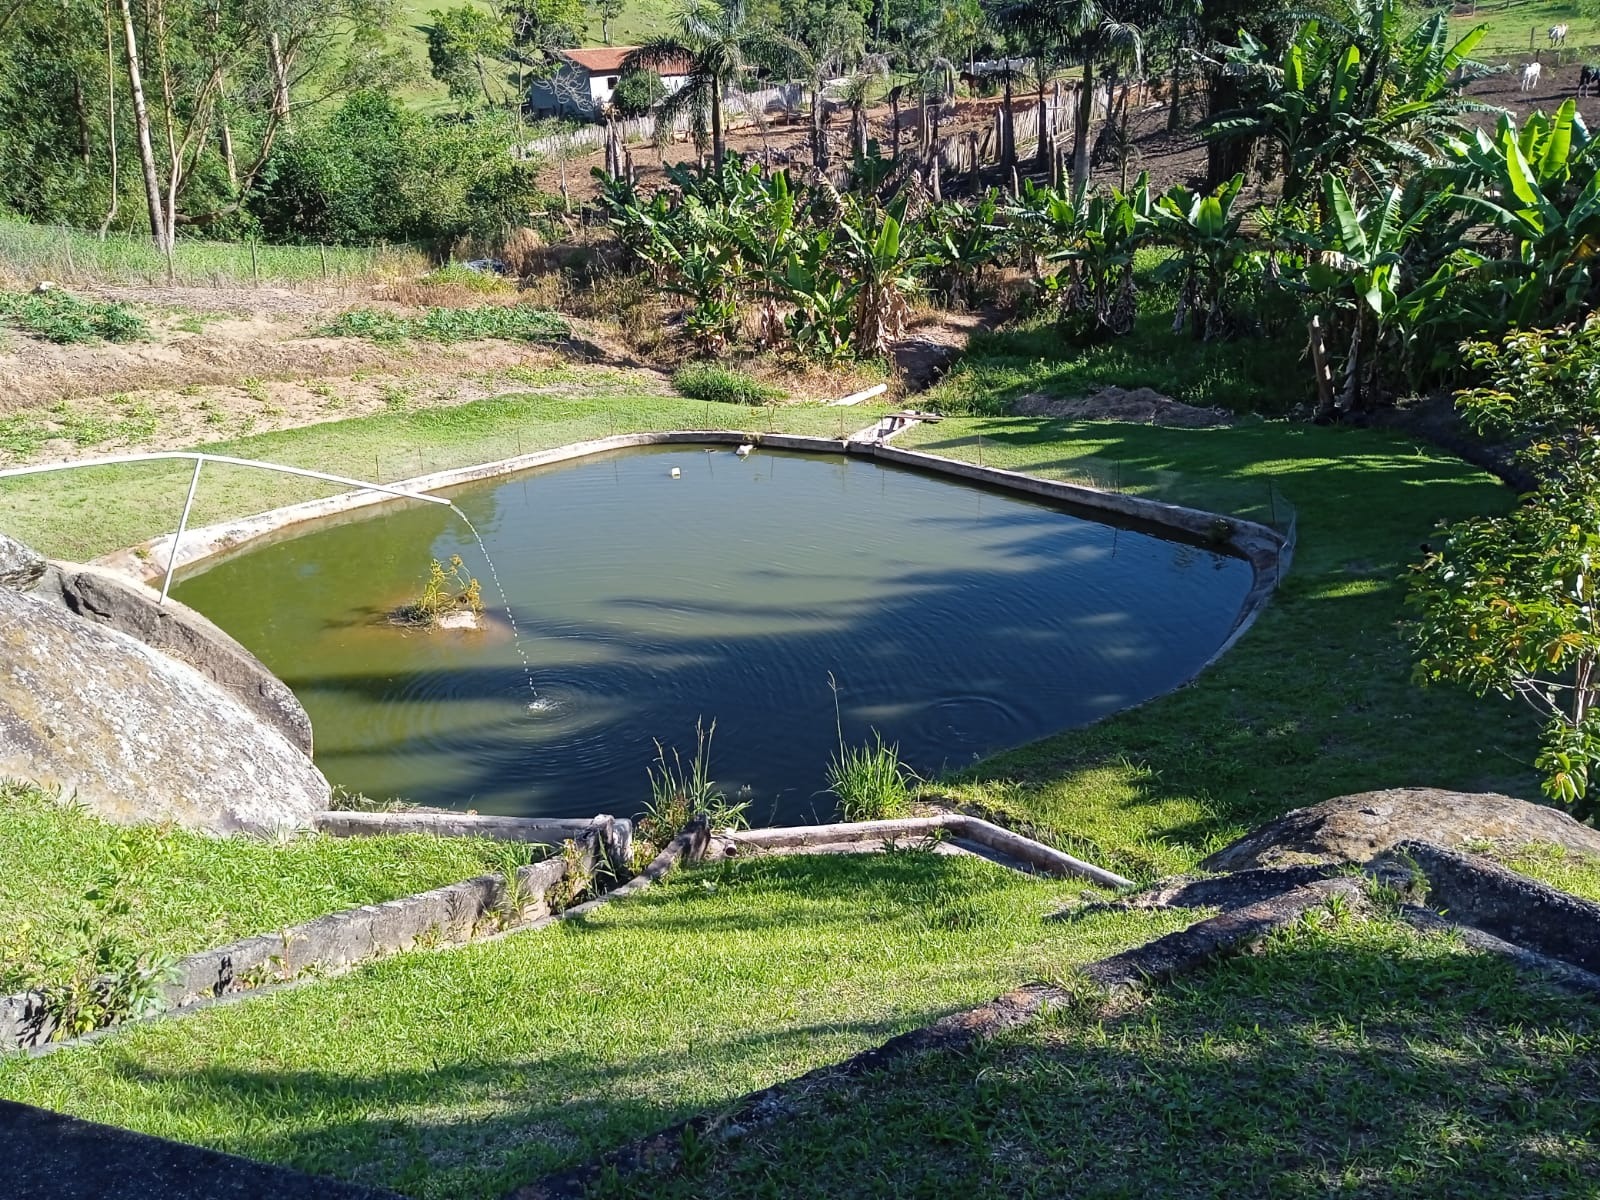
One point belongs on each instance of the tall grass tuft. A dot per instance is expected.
(869, 781)
(679, 793)
(60, 317)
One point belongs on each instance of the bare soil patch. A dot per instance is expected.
(1143, 406)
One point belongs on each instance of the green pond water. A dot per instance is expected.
(956, 620)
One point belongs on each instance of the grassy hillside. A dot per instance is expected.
(1511, 21)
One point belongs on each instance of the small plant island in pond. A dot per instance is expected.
(450, 599)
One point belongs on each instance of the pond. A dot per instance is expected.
(956, 620)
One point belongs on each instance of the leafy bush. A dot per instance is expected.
(448, 589)
(722, 385)
(455, 274)
(376, 171)
(58, 316)
(518, 323)
(679, 793)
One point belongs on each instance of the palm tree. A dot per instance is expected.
(855, 92)
(1037, 25)
(714, 45)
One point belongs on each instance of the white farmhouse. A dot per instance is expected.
(582, 85)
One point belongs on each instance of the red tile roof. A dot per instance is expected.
(606, 60)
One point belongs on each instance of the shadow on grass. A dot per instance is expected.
(1363, 1061)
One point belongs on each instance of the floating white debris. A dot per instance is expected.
(744, 450)
(676, 472)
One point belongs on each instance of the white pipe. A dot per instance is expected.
(114, 459)
(876, 389)
(183, 523)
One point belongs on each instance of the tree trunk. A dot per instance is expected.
(1042, 155)
(111, 122)
(1175, 102)
(718, 144)
(80, 108)
(280, 78)
(819, 132)
(141, 122)
(1080, 127)
(1225, 157)
(894, 117)
(1008, 129)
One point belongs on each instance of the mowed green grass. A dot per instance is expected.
(1350, 1058)
(197, 892)
(462, 1073)
(79, 515)
(1316, 700)
(1555, 865)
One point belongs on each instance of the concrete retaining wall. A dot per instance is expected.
(338, 941)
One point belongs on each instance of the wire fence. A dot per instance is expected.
(66, 255)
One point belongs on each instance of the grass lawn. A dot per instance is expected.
(1511, 21)
(1315, 701)
(199, 891)
(1351, 1058)
(463, 1072)
(81, 514)
(1555, 865)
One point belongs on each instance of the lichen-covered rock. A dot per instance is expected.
(20, 566)
(99, 595)
(136, 735)
(1356, 828)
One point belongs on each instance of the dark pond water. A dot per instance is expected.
(956, 620)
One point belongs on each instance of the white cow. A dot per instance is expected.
(1530, 76)
(1558, 35)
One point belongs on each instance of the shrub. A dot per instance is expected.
(61, 317)
(722, 385)
(448, 589)
(376, 171)
(679, 793)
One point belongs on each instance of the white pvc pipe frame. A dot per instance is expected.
(199, 461)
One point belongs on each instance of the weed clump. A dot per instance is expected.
(722, 385)
(61, 317)
(869, 781)
(679, 793)
(448, 589)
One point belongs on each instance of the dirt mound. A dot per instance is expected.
(1356, 828)
(1143, 406)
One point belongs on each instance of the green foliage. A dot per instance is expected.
(465, 46)
(454, 274)
(376, 171)
(869, 781)
(1096, 236)
(514, 323)
(1359, 92)
(1212, 263)
(1508, 604)
(679, 793)
(93, 972)
(448, 589)
(58, 316)
(637, 92)
(722, 385)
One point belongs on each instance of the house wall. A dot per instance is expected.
(576, 93)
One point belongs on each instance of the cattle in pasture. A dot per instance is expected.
(1530, 77)
(1558, 35)
(1588, 79)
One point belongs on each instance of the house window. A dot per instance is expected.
(611, 82)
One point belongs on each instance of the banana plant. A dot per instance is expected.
(1097, 280)
(824, 302)
(961, 241)
(1358, 270)
(1539, 186)
(880, 263)
(1212, 259)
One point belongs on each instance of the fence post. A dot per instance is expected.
(322, 253)
(255, 267)
(66, 241)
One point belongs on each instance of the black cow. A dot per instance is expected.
(1588, 79)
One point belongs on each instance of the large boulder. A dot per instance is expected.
(1356, 828)
(103, 596)
(20, 566)
(136, 735)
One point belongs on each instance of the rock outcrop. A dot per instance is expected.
(20, 567)
(136, 734)
(1356, 828)
(105, 597)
